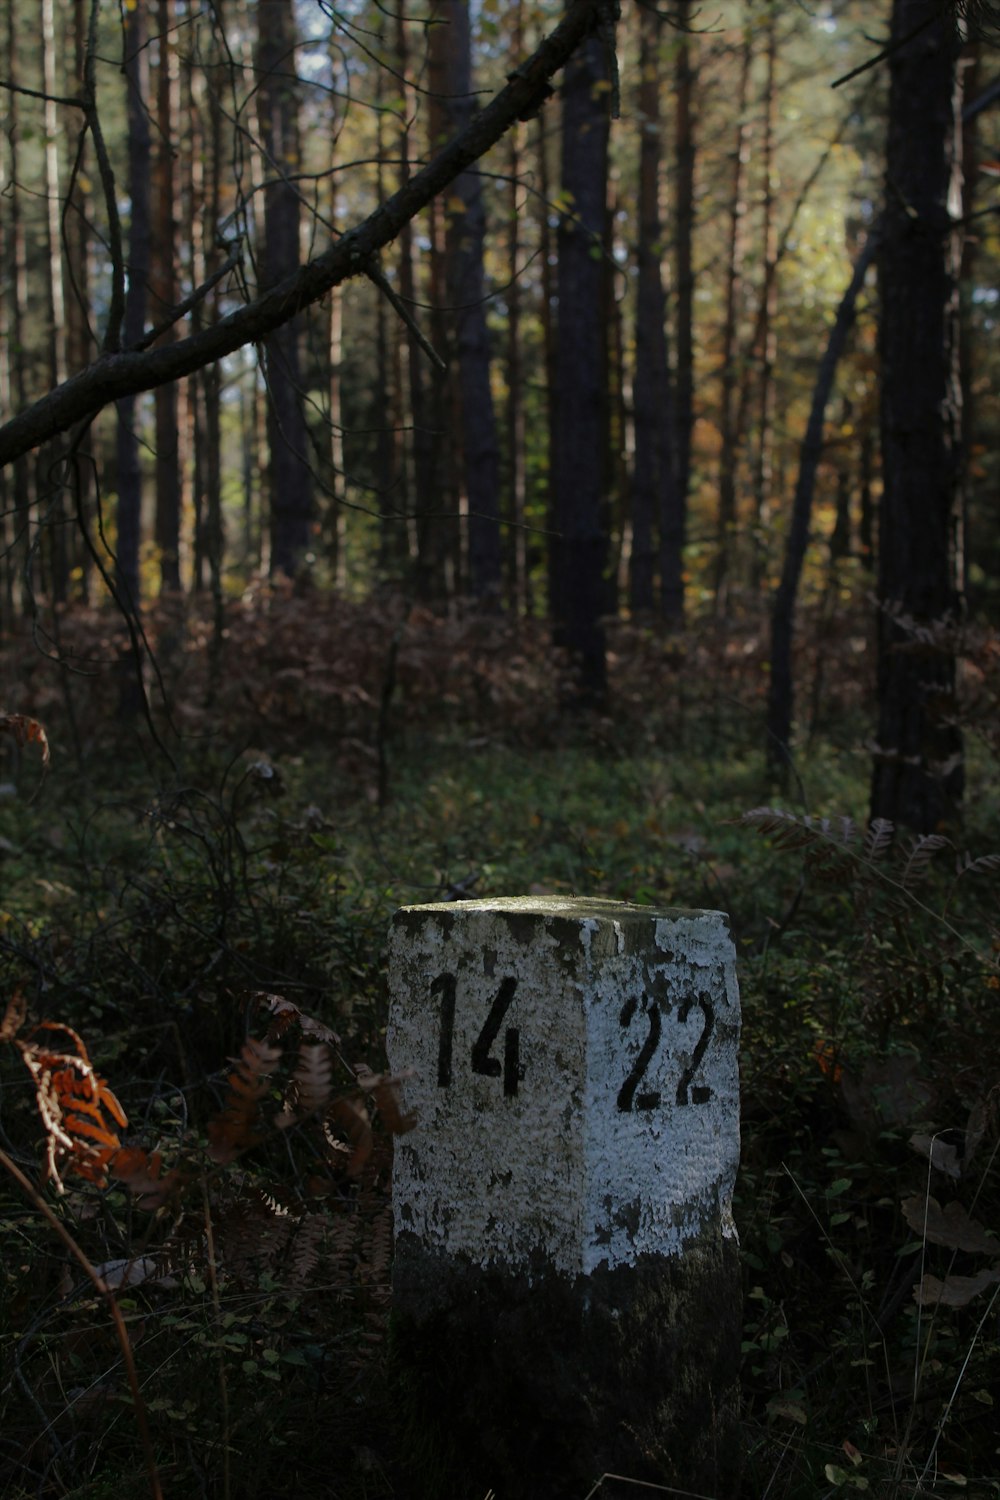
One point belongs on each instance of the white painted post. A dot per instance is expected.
(564, 1233)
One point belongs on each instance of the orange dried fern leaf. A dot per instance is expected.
(26, 732)
(75, 1104)
(237, 1127)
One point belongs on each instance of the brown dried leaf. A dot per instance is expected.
(953, 1291)
(26, 732)
(140, 1172)
(950, 1226)
(387, 1101)
(940, 1154)
(354, 1122)
(889, 1093)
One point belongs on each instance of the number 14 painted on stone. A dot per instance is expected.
(630, 1097)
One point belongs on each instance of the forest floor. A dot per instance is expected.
(165, 880)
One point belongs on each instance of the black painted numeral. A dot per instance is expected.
(444, 985)
(482, 1060)
(700, 1094)
(627, 1097)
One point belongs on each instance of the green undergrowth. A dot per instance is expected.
(143, 906)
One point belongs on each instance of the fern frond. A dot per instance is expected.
(986, 864)
(311, 1085)
(285, 1014)
(303, 1257)
(236, 1127)
(925, 846)
(878, 839)
(73, 1101)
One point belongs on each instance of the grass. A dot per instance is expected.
(142, 903)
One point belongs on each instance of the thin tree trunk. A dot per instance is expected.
(466, 293)
(517, 552)
(163, 297)
(780, 703)
(549, 280)
(390, 456)
(765, 349)
(918, 775)
(55, 290)
(129, 463)
(674, 522)
(582, 371)
(730, 373)
(440, 531)
(25, 486)
(653, 498)
(289, 474)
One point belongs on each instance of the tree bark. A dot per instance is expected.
(653, 498)
(780, 703)
(289, 474)
(917, 777)
(466, 236)
(674, 523)
(514, 415)
(765, 343)
(129, 463)
(578, 460)
(730, 372)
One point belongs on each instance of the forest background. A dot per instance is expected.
(399, 524)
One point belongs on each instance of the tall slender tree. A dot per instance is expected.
(918, 771)
(290, 473)
(129, 463)
(580, 542)
(674, 522)
(466, 289)
(163, 295)
(653, 500)
(730, 374)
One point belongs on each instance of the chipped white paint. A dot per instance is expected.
(600, 1121)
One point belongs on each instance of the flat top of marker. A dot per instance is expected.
(596, 908)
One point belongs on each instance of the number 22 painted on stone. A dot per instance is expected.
(629, 1096)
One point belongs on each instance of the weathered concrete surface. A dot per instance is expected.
(566, 1286)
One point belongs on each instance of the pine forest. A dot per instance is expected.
(456, 449)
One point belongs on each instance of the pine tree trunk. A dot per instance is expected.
(674, 523)
(466, 235)
(289, 474)
(781, 685)
(129, 463)
(653, 498)
(578, 460)
(766, 352)
(917, 777)
(730, 372)
(163, 296)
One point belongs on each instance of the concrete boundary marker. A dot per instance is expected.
(566, 1279)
